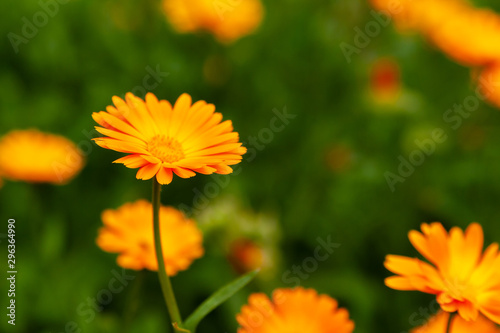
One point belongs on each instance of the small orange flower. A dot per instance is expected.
(128, 231)
(463, 278)
(228, 20)
(489, 82)
(437, 324)
(162, 140)
(36, 157)
(385, 81)
(246, 255)
(293, 310)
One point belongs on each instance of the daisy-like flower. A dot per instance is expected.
(128, 231)
(36, 157)
(469, 35)
(293, 310)
(488, 82)
(462, 277)
(162, 140)
(438, 323)
(226, 20)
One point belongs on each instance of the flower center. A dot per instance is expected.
(456, 289)
(166, 149)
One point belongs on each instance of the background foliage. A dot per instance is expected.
(321, 176)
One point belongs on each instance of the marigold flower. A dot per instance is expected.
(489, 80)
(226, 20)
(161, 139)
(293, 310)
(246, 255)
(385, 81)
(437, 324)
(128, 231)
(36, 157)
(467, 34)
(463, 278)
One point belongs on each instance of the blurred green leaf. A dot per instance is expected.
(217, 298)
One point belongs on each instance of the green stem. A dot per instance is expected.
(450, 320)
(166, 286)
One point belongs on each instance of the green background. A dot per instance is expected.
(285, 196)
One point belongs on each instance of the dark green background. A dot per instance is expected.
(82, 57)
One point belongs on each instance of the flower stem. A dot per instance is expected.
(450, 320)
(166, 286)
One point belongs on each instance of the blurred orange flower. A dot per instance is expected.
(228, 20)
(489, 82)
(246, 255)
(467, 34)
(385, 80)
(36, 157)
(463, 278)
(128, 231)
(438, 323)
(293, 310)
(162, 140)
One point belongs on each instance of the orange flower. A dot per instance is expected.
(246, 255)
(161, 139)
(489, 82)
(437, 324)
(227, 20)
(36, 157)
(128, 231)
(293, 310)
(385, 81)
(469, 35)
(463, 278)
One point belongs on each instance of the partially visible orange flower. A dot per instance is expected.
(128, 231)
(437, 324)
(385, 81)
(162, 140)
(246, 255)
(228, 20)
(469, 35)
(36, 157)
(293, 310)
(463, 278)
(489, 82)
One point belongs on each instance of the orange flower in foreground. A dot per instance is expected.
(128, 231)
(36, 157)
(469, 35)
(227, 20)
(162, 140)
(463, 278)
(293, 310)
(489, 81)
(437, 324)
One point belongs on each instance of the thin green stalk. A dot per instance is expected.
(450, 320)
(166, 286)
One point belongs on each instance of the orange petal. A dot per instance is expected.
(164, 176)
(148, 171)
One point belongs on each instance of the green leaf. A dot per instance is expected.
(217, 298)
